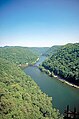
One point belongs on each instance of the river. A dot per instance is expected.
(62, 94)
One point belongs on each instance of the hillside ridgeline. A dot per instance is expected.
(65, 63)
(39, 50)
(18, 55)
(52, 50)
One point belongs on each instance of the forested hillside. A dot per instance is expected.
(39, 50)
(18, 55)
(52, 50)
(20, 97)
(65, 63)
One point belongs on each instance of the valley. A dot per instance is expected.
(34, 94)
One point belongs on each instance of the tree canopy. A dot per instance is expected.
(65, 63)
(52, 50)
(18, 55)
(20, 97)
(39, 50)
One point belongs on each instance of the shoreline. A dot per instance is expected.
(51, 74)
(66, 82)
(27, 64)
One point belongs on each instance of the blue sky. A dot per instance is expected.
(39, 22)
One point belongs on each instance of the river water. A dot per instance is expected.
(62, 94)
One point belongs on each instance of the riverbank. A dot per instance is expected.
(66, 82)
(27, 64)
(51, 74)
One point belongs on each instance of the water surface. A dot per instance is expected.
(62, 94)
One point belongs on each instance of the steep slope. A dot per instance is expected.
(65, 63)
(39, 50)
(52, 50)
(18, 55)
(20, 97)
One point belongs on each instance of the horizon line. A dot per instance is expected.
(37, 46)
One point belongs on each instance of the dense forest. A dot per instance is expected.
(20, 97)
(18, 55)
(39, 50)
(65, 63)
(52, 50)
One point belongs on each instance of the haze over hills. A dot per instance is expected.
(39, 50)
(52, 50)
(40, 23)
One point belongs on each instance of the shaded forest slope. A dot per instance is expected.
(65, 63)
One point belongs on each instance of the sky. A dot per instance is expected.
(39, 23)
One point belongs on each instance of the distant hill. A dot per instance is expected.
(18, 55)
(20, 97)
(39, 50)
(65, 63)
(52, 50)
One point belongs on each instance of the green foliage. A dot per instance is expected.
(20, 97)
(39, 50)
(18, 55)
(65, 63)
(52, 50)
